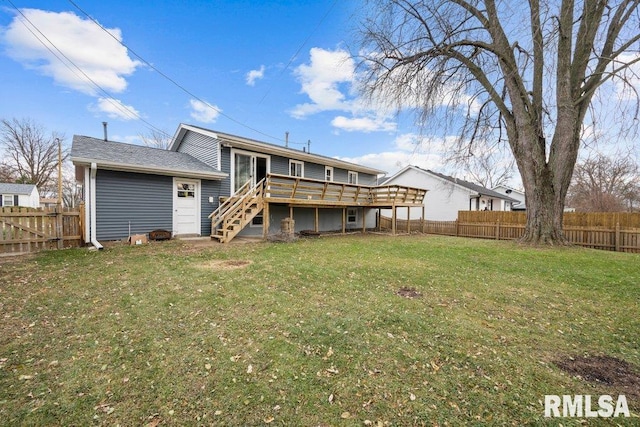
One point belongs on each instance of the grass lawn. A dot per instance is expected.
(311, 333)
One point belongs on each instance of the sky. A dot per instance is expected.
(249, 68)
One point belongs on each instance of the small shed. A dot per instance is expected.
(24, 195)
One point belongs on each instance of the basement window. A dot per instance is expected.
(352, 216)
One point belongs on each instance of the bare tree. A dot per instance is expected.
(71, 192)
(31, 156)
(488, 166)
(523, 72)
(156, 139)
(6, 175)
(603, 184)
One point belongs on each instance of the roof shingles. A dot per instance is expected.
(98, 150)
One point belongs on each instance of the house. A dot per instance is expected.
(514, 194)
(24, 195)
(446, 195)
(222, 185)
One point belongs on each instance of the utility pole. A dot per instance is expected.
(59, 225)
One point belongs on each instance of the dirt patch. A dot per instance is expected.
(408, 293)
(224, 264)
(618, 376)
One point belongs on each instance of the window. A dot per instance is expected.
(186, 190)
(7, 200)
(258, 220)
(352, 215)
(296, 168)
(352, 177)
(328, 173)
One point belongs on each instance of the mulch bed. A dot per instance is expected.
(617, 375)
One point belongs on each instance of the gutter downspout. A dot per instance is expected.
(92, 194)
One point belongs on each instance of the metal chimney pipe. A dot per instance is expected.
(104, 125)
(286, 139)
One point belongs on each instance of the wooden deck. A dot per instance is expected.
(296, 191)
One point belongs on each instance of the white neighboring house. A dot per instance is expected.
(446, 195)
(514, 194)
(24, 195)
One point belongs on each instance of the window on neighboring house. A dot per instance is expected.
(328, 173)
(352, 215)
(296, 168)
(352, 177)
(8, 200)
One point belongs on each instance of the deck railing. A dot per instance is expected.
(306, 191)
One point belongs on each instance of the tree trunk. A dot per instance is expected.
(545, 182)
(544, 213)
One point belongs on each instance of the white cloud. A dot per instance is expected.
(78, 41)
(362, 124)
(254, 75)
(115, 109)
(321, 81)
(203, 111)
(410, 149)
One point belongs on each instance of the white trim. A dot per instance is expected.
(232, 165)
(92, 184)
(86, 192)
(197, 189)
(327, 169)
(355, 210)
(297, 162)
(149, 170)
(352, 173)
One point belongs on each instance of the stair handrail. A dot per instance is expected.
(218, 214)
(236, 210)
(234, 202)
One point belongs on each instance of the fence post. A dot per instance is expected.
(59, 226)
(497, 229)
(457, 227)
(617, 245)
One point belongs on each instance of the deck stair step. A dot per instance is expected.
(236, 212)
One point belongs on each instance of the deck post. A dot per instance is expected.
(422, 220)
(408, 219)
(291, 212)
(393, 220)
(316, 223)
(265, 221)
(344, 220)
(364, 220)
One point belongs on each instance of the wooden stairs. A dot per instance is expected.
(237, 211)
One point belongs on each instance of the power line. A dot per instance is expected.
(68, 61)
(175, 83)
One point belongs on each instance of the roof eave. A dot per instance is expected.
(149, 170)
(253, 145)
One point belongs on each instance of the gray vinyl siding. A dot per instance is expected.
(329, 219)
(280, 166)
(208, 189)
(225, 189)
(202, 147)
(122, 198)
(145, 201)
(342, 175)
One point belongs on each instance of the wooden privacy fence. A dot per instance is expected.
(616, 231)
(25, 230)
